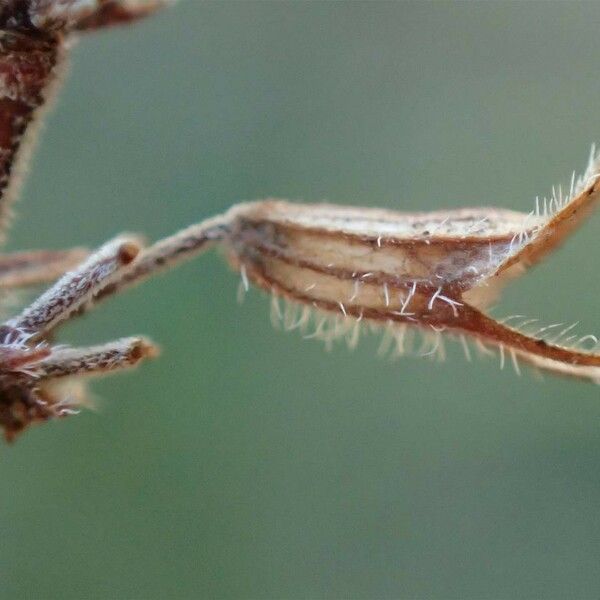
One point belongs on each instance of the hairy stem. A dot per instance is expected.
(77, 287)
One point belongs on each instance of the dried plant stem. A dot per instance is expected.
(33, 47)
(97, 360)
(169, 252)
(31, 67)
(77, 287)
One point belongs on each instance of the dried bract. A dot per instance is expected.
(433, 272)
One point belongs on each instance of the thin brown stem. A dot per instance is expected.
(95, 360)
(29, 67)
(167, 253)
(77, 287)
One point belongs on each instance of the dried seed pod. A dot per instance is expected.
(433, 271)
(358, 251)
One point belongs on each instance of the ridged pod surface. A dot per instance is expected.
(434, 271)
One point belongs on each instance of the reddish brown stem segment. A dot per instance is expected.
(96, 360)
(28, 68)
(77, 287)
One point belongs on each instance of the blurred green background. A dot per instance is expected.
(250, 464)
